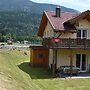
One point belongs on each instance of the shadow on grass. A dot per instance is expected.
(35, 73)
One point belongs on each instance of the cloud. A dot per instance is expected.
(80, 5)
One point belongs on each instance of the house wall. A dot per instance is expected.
(68, 35)
(48, 32)
(63, 58)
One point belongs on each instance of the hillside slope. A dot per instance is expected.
(11, 76)
(17, 74)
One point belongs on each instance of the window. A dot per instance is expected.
(40, 56)
(81, 61)
(82, 34)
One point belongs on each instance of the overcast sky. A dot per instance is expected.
(80, 5)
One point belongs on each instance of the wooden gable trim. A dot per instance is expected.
(42, 25)
(50, 22)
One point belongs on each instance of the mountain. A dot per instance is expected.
(28, 5)
(21, 18)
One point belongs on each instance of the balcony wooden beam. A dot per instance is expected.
(67, 43)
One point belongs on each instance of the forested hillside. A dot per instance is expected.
(18, 24)
(20, 19)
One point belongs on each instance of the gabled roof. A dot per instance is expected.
(64, 23)
(57, 22)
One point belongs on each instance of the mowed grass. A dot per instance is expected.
(17, 74)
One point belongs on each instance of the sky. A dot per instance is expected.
(80, 5)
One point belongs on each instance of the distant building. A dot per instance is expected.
(9, 42)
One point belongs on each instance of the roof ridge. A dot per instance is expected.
(61, 12)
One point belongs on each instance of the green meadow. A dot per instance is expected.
(17, 74)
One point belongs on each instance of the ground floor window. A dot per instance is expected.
(81, 61)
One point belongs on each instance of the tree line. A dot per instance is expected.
(19, 25)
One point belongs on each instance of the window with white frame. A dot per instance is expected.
(82, 33)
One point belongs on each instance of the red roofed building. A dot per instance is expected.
(67, 37)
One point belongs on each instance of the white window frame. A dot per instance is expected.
(82, 30)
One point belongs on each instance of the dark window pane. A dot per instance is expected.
(78, 57)
(84, 33)
(83, 62)
(79, 33)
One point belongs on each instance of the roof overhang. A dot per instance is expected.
(42, 25)
(84, 15)
(66, 31)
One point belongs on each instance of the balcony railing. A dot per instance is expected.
(66, 43)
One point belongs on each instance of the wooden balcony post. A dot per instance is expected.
(71, 63)
(54, 65)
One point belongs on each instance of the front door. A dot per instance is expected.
(81, 61)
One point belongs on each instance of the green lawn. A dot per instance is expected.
(17, 74)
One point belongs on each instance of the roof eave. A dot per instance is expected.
(66, 31)
(43, 24)
(78, 17)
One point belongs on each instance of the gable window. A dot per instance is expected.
(82, 34)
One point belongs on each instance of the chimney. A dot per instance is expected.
(58, 11)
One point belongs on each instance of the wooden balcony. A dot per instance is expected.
(67, 43)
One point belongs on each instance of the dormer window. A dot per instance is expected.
(82, 33)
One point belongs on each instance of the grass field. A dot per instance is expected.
(17, 74)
